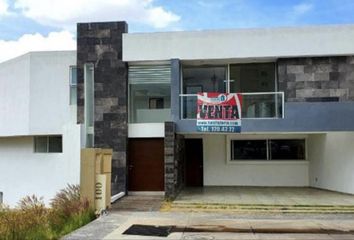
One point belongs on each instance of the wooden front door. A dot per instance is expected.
(194, 162)
(146, 165)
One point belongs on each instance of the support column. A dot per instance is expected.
(174, 161)
(175, 89)
(101, 44)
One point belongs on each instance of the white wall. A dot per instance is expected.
(332, 161)
(146, 130)
(49, 91)
(23, 172)
(34, 100)
(34, 93)
(239, 44)
(14, 96)
(218, 172)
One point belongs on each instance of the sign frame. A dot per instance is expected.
(219, 112)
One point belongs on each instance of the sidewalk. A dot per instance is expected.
(221, 226)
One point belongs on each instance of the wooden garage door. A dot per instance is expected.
(146, 165)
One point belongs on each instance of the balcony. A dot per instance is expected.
(260, 105)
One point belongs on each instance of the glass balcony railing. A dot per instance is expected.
(142, 115)
(254, 105)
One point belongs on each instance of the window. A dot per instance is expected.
(256, 82)
(149, 93)
(268, 149)
(73, 85)
(89, 103)
(205, 79)
(255, 77)
(287, 149)
(249, 149)
(200, 79)
(48, 144)
(156, 103)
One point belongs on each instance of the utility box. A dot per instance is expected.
(95, 177)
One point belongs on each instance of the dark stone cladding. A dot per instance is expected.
(317, 79)
(101, 44)
(174, 161)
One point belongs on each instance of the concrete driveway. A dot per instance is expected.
(264, 196)
(214, 225)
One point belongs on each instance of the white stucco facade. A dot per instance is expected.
(34, 101)
(24, 172)
(34, 93)
(240, 44)
(332, 161)
(146, 130)
(14, 94)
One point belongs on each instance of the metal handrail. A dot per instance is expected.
(246, 93)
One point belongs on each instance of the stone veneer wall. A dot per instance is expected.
(101, 44)
(315, 79)
(174, 161)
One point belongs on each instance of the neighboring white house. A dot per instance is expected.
(39, 137)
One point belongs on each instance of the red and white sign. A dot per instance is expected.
(219, 112)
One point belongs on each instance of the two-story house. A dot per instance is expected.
(137, 94)
(297, 86)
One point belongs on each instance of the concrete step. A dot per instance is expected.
(168, 206)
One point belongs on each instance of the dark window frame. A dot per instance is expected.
(183, 94)
(183, 86)
(268, 150)
(244, 151)
(72, 85)
(156, 103)
(49, 141)
(275, 69)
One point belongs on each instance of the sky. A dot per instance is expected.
(39, 25)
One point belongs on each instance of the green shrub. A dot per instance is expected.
(68, 201)
(27, 221)
(76, 221)
(69, 211)
(32, 220)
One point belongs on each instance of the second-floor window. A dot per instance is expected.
(149, 93)
(256, 82)
(252, 78)
(200, 79)
(73, 85)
